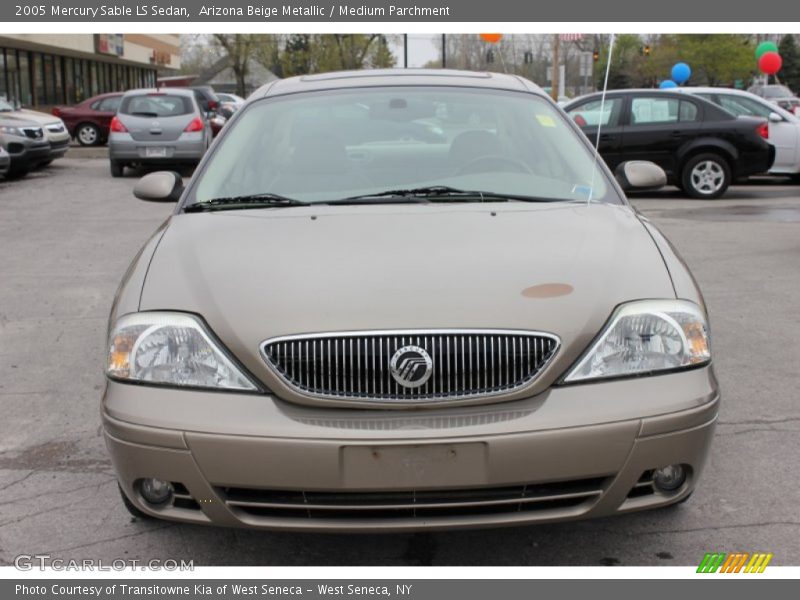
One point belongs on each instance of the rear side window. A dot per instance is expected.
(109, 104)
(653, 111)
(156, 105)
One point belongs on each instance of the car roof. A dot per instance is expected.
(397, 77)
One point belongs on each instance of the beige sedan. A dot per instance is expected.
(401, 300)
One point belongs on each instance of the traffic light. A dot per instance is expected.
(596, 55)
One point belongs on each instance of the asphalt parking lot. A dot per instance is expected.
(66, 237)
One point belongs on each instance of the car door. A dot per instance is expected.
(657, 126)
(605, 116)
(783, 134)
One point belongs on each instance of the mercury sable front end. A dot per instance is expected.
(397, 301)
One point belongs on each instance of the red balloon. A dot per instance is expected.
(770, 63)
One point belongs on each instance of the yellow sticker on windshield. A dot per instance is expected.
(546, 120)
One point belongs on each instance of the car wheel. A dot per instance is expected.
(88, 135)
(706, 176)
(135, 512)
(117, 168)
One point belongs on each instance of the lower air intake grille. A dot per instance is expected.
(411, 504)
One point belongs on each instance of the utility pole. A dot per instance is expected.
(554, 80)
(444, 51)
(405, 50)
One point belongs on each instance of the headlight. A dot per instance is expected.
(11, 130)
(171, 349)
(646, 337)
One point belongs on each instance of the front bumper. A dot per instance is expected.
(253, 461)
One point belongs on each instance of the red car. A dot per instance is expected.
(89, 121)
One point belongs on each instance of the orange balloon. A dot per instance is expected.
(492, 38)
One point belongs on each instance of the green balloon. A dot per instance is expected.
(765, 47)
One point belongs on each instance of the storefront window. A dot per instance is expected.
(38, 78)
(25, 90)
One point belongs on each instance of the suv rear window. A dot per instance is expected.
(156, 105)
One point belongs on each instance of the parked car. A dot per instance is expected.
(25, 142)
(88, 122)
(54, 130)
(206, 97)
(5, 161)
(784, 126)
(163, 126)
(777, 94)
(702, 147)
(229, 104)
(398, 334)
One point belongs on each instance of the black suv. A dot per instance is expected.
(702, 147)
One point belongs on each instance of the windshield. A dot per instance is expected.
(319, 147)
(777, 91)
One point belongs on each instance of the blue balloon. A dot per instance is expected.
(667, 83)
(681, 73)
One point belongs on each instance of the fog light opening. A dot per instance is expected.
(156, 491)
(669, 478)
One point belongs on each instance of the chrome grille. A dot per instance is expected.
(462, 363)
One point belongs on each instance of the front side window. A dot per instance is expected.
(597, 112)
(331, 145)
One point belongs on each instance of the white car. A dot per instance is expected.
(54, 129)
(784, 126)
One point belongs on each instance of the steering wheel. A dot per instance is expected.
(486, 160)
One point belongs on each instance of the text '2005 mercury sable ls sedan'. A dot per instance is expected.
(401, 300)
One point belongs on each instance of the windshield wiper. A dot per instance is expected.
(437, 193)
(265, 200)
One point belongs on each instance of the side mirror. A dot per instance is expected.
(775, 117)
(640, 175)
(161, 186)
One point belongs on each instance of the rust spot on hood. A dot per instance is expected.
(547, 290)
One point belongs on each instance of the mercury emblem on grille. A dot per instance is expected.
(411, 366)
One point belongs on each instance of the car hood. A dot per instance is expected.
(40, 118)
(15, 119)
(559, 268)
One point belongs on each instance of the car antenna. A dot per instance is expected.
(600, 120)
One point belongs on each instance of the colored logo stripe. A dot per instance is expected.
(711, 562)
(735, 562)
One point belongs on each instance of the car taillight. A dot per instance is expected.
(763, 130)
(117, 126)
(195, 125)
(212, 105)
(56, 111)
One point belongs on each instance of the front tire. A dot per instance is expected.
(117, 168)
(706, 176)
(88, 135)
